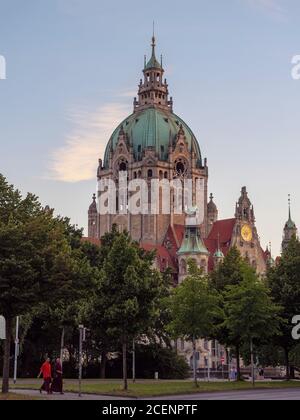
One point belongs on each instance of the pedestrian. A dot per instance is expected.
(47, 376)
(262, 374)
(57, 384)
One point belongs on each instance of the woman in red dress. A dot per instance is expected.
(47, 376)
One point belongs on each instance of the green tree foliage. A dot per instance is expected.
(194, 309)
(251, 317)
(37, 263)
(284, 282)
(125, 303)
(232, 271)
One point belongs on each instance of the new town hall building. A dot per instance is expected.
(155, 143)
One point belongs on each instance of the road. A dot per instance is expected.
(268, 395)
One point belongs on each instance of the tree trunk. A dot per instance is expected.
(238, 366)
(287, 364)
(252, 363)
(125, 379)
(6, 358)
(195, 363)
(103, 365)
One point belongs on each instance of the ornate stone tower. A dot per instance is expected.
(245, 236)
(192, 247)
(93, 219)
(153, 143)
(290, 229)
(212, 214)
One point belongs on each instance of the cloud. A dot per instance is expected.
(271, 7)
(77, 159)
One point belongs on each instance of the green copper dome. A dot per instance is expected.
(156, 128)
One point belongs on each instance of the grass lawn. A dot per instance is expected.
(157, 388)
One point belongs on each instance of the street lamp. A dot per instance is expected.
(82, 339)
(17, 346)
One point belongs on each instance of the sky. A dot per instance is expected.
(72, 70)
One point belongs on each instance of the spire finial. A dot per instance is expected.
(290, 217)
(218, 241)
(211, 197)
(153, 40)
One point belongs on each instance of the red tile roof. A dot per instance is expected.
(164, 259)
(222, 231)
(167, 254)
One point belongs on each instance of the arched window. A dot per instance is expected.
(123, 167)
(150, 173)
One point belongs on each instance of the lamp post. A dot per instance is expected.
(133, 362)
(16, 350)
(81, 332)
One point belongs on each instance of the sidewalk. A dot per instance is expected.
(67, 396)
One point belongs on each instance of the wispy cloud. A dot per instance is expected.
(76, 159)
(271, 7)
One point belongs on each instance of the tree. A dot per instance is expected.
(127, 292)
(232, 271)
(284, 282)
(37, 263)
(250, 314)
(194, 308)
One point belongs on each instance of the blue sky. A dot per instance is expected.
(73, 67)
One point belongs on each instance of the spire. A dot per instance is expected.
(290, 228)
(290, 224)
(93, 206)
(153, 90)
(153, 41)
(153, 62)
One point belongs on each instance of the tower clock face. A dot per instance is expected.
(247, 234)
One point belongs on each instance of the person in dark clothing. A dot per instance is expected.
(57, 384)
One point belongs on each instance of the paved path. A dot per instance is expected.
(66, 396)
(272, 394)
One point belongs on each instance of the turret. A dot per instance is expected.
(290, 229)
(93, 219)
(212, 213)
(192, 246)
(218, 255)
(153, 90)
